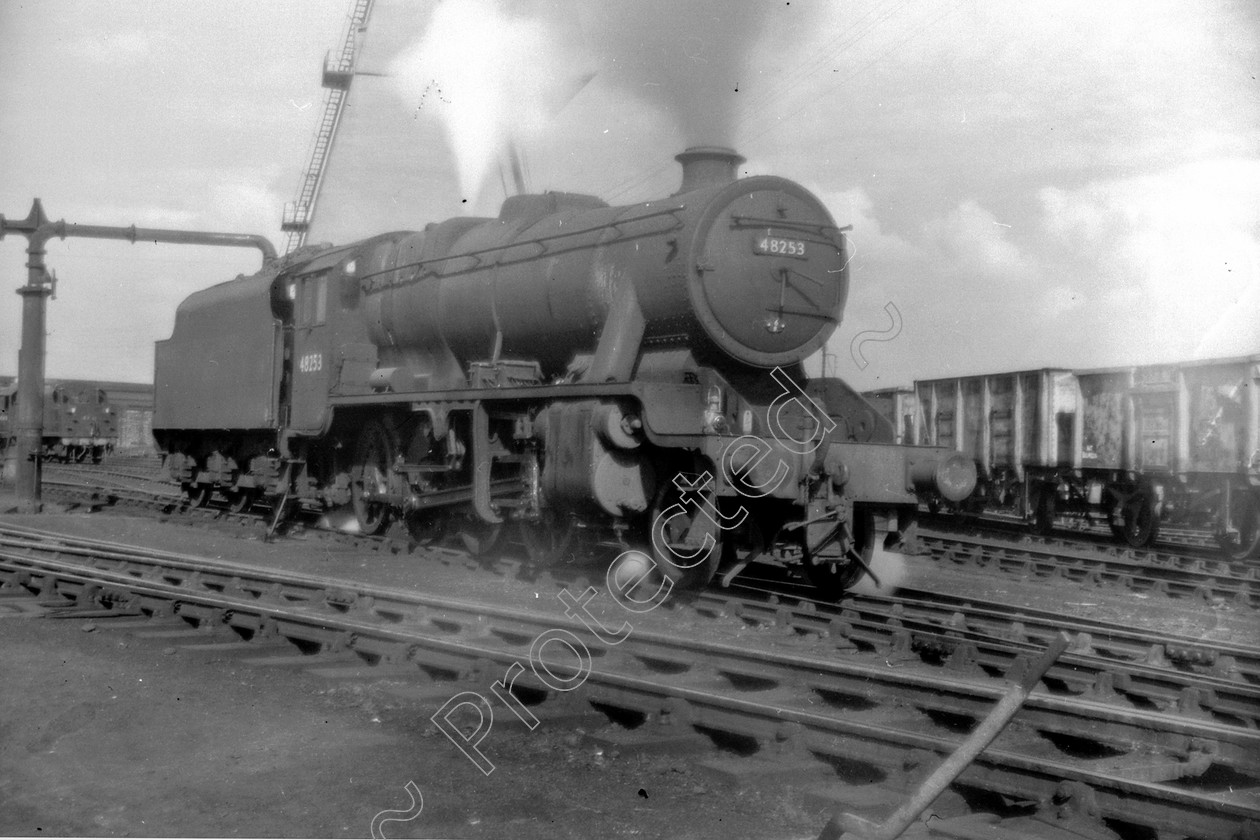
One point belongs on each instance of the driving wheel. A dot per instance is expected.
(375, 451)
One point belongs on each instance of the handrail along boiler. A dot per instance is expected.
(568, 366)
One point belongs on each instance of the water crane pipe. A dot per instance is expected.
(38, 230)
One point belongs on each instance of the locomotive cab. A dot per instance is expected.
(567, 368)
(327, 346)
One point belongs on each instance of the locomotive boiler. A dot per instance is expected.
(626, 375)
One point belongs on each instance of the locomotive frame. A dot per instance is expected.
(628, 375)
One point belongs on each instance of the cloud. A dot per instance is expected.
(113, 48)
(245, 204)
(967, 241)
(970, 242)
(1059, 300)
(1161, 267)
(952, 100)
(870, 245)
(1176, 251)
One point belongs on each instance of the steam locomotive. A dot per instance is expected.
(631, 375)
(79, 424)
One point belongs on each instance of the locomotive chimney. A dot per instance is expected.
(707, 166)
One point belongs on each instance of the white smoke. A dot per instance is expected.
(891, 567)
(490, 77)
(496, 72)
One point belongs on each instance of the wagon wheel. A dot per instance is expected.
(199, 494)
(1015, 498)
(828, 561)
(1113, 511)
(1245, 515)
(1141, 524)
(686, 544)
(1043, 513)
(375, 451)
(241, 500)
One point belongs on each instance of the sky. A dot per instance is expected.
(1067, 184)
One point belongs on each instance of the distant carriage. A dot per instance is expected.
(79, 424)
(1139, 448)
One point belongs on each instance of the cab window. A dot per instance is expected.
(313, 301)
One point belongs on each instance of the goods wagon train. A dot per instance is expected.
(1135, 447)
(631, 374)
(80, 422)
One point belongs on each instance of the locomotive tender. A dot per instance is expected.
(628, 373)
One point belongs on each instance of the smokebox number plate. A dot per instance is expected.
(778, 246)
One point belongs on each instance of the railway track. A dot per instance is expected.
(1175, 575)
(862, 702)
(1075, 531)
(113, 473)
(79, 490)
(1105, 662)
(1197, 576)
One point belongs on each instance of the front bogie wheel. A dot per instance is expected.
(831, 562)
(686, 541)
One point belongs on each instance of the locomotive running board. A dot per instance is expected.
(466, 397)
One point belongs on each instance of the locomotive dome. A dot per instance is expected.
(560, 366)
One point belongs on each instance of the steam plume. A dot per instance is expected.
(891, 567)
(496, 72)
